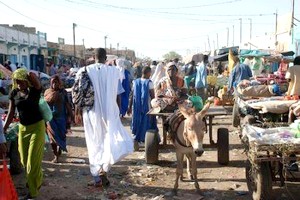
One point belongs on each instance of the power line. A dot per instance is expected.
(169, 8)
(144, 11)
(27, 16)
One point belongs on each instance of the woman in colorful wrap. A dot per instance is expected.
(169, 89)
(25, 96)
(57, 99)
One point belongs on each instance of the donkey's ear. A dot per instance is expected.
(183, 111)
(203, 112)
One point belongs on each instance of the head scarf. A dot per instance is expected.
(121, 63)
(19, 74)
(121, 66)
(158, 74)
(51, 95)
(170, 65)
(56, 78)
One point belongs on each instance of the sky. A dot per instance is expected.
(150, 27)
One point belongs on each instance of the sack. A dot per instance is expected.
(83, 91)
(7, 188)
(45, 110)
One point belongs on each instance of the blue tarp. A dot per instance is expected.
(252, 53)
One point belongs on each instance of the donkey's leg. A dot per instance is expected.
(188, 166)
(194, 172)
(179, 170)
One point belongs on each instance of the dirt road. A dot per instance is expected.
(132, 178)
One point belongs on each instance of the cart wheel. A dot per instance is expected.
(235, 115)
(259, 180)
(223, 146)
(151, 146)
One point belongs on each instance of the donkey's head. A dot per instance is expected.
(194, 128)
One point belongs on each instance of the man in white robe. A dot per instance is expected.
(106, 138)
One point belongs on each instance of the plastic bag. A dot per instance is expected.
(7, 188)
(45, 110)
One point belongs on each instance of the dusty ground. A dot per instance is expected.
(132, 178)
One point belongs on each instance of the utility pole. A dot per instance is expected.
(217, 41)
(83, 49)
(232, 35)
(105, 37)
(74, 25)
(118, 49)
(276, 24)
(293, 12)
(110, 50)
(250, 28)
(241, 29)
(293, 16)
(250, 31)
(227, 37)
(208, 43)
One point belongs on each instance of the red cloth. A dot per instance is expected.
(7, 188)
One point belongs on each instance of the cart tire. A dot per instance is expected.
(235, 115)
(151, 147)
(223, 146)
(259, 181)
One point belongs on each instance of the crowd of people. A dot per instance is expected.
(118, 89)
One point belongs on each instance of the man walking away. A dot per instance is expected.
(106, 138)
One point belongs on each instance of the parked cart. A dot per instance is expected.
(272, 152)
(152, 143)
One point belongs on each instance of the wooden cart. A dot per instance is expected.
(267, 164)
(152, 143)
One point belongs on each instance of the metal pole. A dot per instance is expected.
(217, 41)
(250, 31)
(227, 36)
(250, 28)
(83, 52)
(208, 42)
(117, 49)
(232, 35)
(105, 37)
(241, 29)
(74, 25)
(293, 12)
(276, 24)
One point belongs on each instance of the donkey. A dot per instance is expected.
(188, 140)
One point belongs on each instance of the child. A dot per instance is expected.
(142, 94)
(195, 99)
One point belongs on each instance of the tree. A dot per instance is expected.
(171, 55)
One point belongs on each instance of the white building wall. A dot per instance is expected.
(13, 50)
(3, 48)
(24, 52)
(33, 51)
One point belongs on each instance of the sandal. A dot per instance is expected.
(95, 184)
(104, 179)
